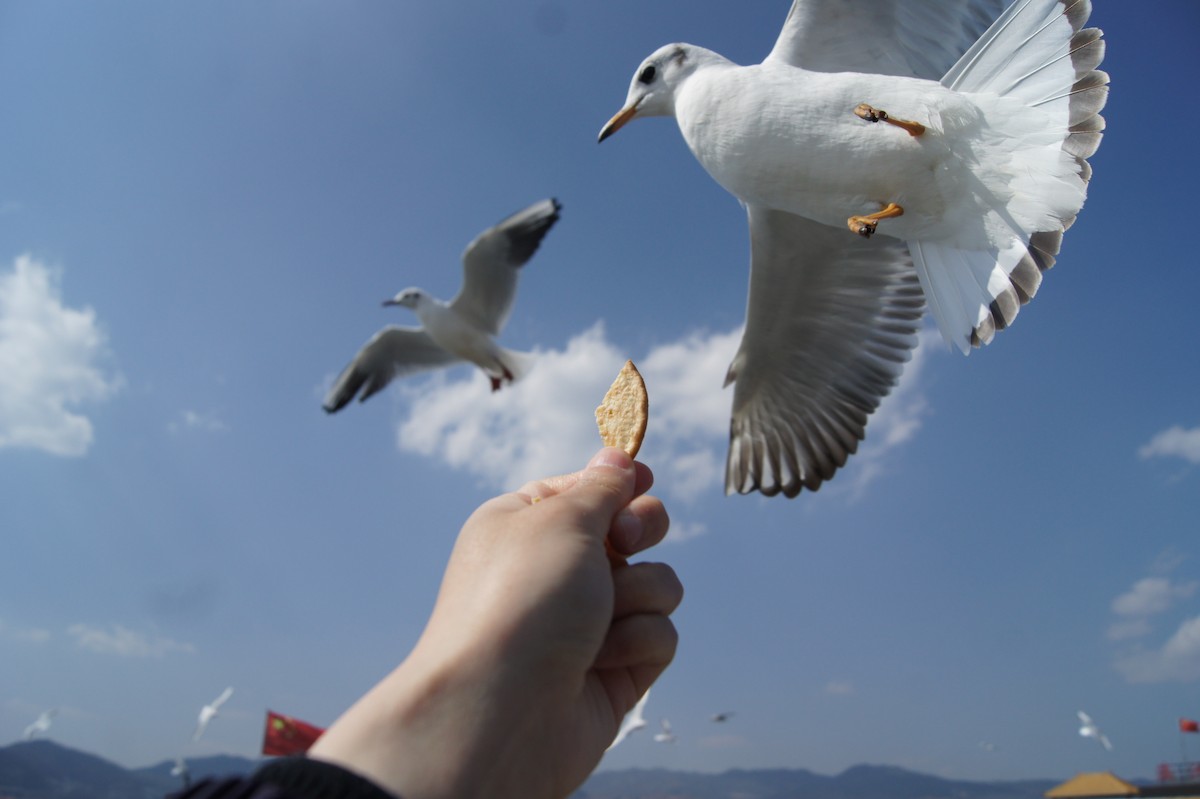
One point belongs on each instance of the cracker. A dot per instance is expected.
(623, 414)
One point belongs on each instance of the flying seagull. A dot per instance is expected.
(180, 770)
(462, 329)
(1089, 729)
(634, 720)
(720, 717)
(665, 735)
(964, 146)
(40, 725)
(210, 712)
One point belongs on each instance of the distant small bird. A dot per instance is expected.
(41, 725)
(210, 712)
(180, 770)
(634, 720)
(462, 329)
(1089, 729)
(665, 735)
(720, 717)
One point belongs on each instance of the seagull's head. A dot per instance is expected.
(658, 78)
(409, 298)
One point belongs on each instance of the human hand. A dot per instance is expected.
(536, 648)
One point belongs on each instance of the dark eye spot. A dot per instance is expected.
(647, 75)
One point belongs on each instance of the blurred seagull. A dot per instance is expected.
(634, 720)
(210, 712)
(719, 717)
(664, 735)
(462, 329)
(180, 770)
(1089, 729)
(40, 726)
(964, 144)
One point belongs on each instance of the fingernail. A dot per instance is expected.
(611, 457)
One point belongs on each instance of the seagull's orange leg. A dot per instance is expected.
(865, 225)
(864, 111)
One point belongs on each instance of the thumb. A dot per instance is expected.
(603, 488)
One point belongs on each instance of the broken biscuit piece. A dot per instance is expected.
(623, 414)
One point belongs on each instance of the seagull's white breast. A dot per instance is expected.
(787, 138)
(451, 332)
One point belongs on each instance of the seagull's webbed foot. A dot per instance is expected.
(865, 225)
(870, 114)
(497, 380)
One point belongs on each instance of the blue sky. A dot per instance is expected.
(200, 212)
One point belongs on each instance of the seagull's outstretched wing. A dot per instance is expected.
(491, 261)
(391, 352)
(223, 698)
(915, 38)
(830, 322)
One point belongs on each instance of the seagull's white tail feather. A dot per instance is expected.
(1037, 56)
(518, 364)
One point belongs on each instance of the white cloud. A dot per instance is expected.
(1151, 596)
(1174, 442)
(50, 359)
(199, 421)
(1148, 597)
(684, 531)
(540, 426)
(544, 424)
(1177, 661)
(23, 635)
(1128, 628)
(124, 642)
(839, 687)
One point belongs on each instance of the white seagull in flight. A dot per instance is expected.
(462, 329)
(180, 770)
(665, 735)
(41, 725)
(1089, 729)
(210, 712)
(978, 167)
(634, 720)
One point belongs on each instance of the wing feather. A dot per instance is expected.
(392, 352)
(491, 263)
(914, 38)
(830, 321)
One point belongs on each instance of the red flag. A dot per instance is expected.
(1187, 725)
(285, 735)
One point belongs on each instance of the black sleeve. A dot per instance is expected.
(290, 778)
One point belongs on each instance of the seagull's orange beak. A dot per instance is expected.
(618, 121)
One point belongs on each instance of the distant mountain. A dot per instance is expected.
(858, 782)
(42, 769)
(45, 770)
